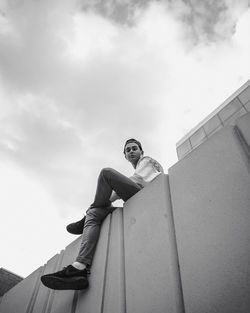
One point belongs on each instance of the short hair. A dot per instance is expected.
(135, 141)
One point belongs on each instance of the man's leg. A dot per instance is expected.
(91, 232)
(108, 181)
(71, 277)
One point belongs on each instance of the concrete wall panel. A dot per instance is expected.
(21, 297)
(150, 283)
(243, 125)
(230, 109)
(63, 299)
(91, 299)
(184, 149)
(45, 295)
(247, 106)
(146, 280)
(211, 205)
(211, 125)
(114, 291)
(226, 114)
(232, 120)
(245, 95)
(198, 137)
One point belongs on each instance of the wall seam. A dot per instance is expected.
(240, 100)
(244, 107)
(122, 249)
(52, 292)
(220, 119)
(45, 305)
(74, 301)
(106, 264)
(180, 297)
(242, 140)
(206, 136)
(35, 291)
(48, 292)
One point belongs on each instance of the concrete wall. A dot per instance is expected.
(7, 280)
(151, 268)
(179, 245)
(135, 267)
(211, 205)
(227, 113)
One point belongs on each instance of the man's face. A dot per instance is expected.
(132, 152)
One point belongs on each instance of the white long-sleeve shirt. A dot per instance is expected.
(147, 169)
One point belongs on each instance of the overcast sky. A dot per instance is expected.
(78, 78)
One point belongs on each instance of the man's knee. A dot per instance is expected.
(107, 171)
(94, 216)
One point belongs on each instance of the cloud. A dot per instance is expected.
(77, 81)
(78, 78)
(207, 20)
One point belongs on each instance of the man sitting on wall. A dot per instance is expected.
(111, 186)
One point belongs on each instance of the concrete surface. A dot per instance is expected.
(135, 267)
(227, 113)
(211, 205)
(243, 126)
(150, 269)
(179, 245)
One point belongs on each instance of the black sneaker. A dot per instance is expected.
(70, 278)
(77, 227)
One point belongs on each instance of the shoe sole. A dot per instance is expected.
(74, 231)
(75, 228)
(57, 283)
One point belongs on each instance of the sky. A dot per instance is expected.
(78, 78)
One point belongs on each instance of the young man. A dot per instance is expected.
(111, 186)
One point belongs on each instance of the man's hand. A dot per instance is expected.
(114, 197)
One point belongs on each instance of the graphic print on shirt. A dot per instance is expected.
(156, 165)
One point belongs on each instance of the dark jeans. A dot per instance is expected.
(109, 180)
